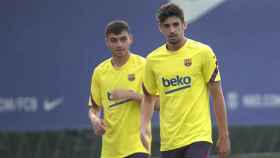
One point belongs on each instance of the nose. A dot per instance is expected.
(118, 43)
(172, 29)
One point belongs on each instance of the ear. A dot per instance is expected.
(185, 25)
(131, 38)
(106, 41)
(159, 27)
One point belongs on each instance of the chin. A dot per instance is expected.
(173, 42)
(119, 54)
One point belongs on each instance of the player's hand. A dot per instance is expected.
(121, 94)
(223, 145)
(100, 127)
(145, 135)
(98, 124)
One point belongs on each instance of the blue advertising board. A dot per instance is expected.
(49, 49)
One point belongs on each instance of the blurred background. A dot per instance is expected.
(48, 49)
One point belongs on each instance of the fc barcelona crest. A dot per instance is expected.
(131, 77)
(188, 62)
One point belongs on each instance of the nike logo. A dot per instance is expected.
(52, 104)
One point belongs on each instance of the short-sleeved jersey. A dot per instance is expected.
(181, 78)
(122, 117)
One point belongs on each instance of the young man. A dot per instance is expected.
(116, 89)
(183, 71)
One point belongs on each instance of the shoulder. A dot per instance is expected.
(198, 45)
(201, 48)
(138, 59)
(137, 62)
(103, 66)
(158, 52)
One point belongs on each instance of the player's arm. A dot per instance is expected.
(126, 94)
(147, 109)
(223, 143)
(97, 123)
(150, 91)
(130, 94)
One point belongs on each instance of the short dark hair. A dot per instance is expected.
(169, 9)
(116, 27)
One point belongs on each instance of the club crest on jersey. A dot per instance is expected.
(131, 77)
(188, 62)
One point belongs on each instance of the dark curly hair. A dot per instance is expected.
(116, 27)
(168, 10)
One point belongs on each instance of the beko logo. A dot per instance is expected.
(176, 83)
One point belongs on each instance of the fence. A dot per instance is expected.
(249, 142)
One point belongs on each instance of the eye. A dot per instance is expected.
(123, 39)
(166, 25)
(176, 24)
(113, 40)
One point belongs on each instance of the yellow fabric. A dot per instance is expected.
(122, 137)
(181, 78)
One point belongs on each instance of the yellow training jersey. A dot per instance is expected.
(181, 78)
(122, 117)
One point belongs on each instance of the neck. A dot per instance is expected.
(119, 61)
(177, 46)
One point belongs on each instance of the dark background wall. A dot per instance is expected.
(49, 48)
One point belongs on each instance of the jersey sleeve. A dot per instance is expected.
(141, 74)
(210, 66)
(149, 80)
(95, 91)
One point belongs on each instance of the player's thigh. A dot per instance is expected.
(138, 155)
(198, 150)
(176, 153)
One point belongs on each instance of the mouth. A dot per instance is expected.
(173, 39)
(119, 50)
(172, 36)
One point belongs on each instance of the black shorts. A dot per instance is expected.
(138, 155)
(194, 150)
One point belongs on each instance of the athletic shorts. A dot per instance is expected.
(194, 150)
(138, 155)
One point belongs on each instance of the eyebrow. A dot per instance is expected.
(115, 37)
